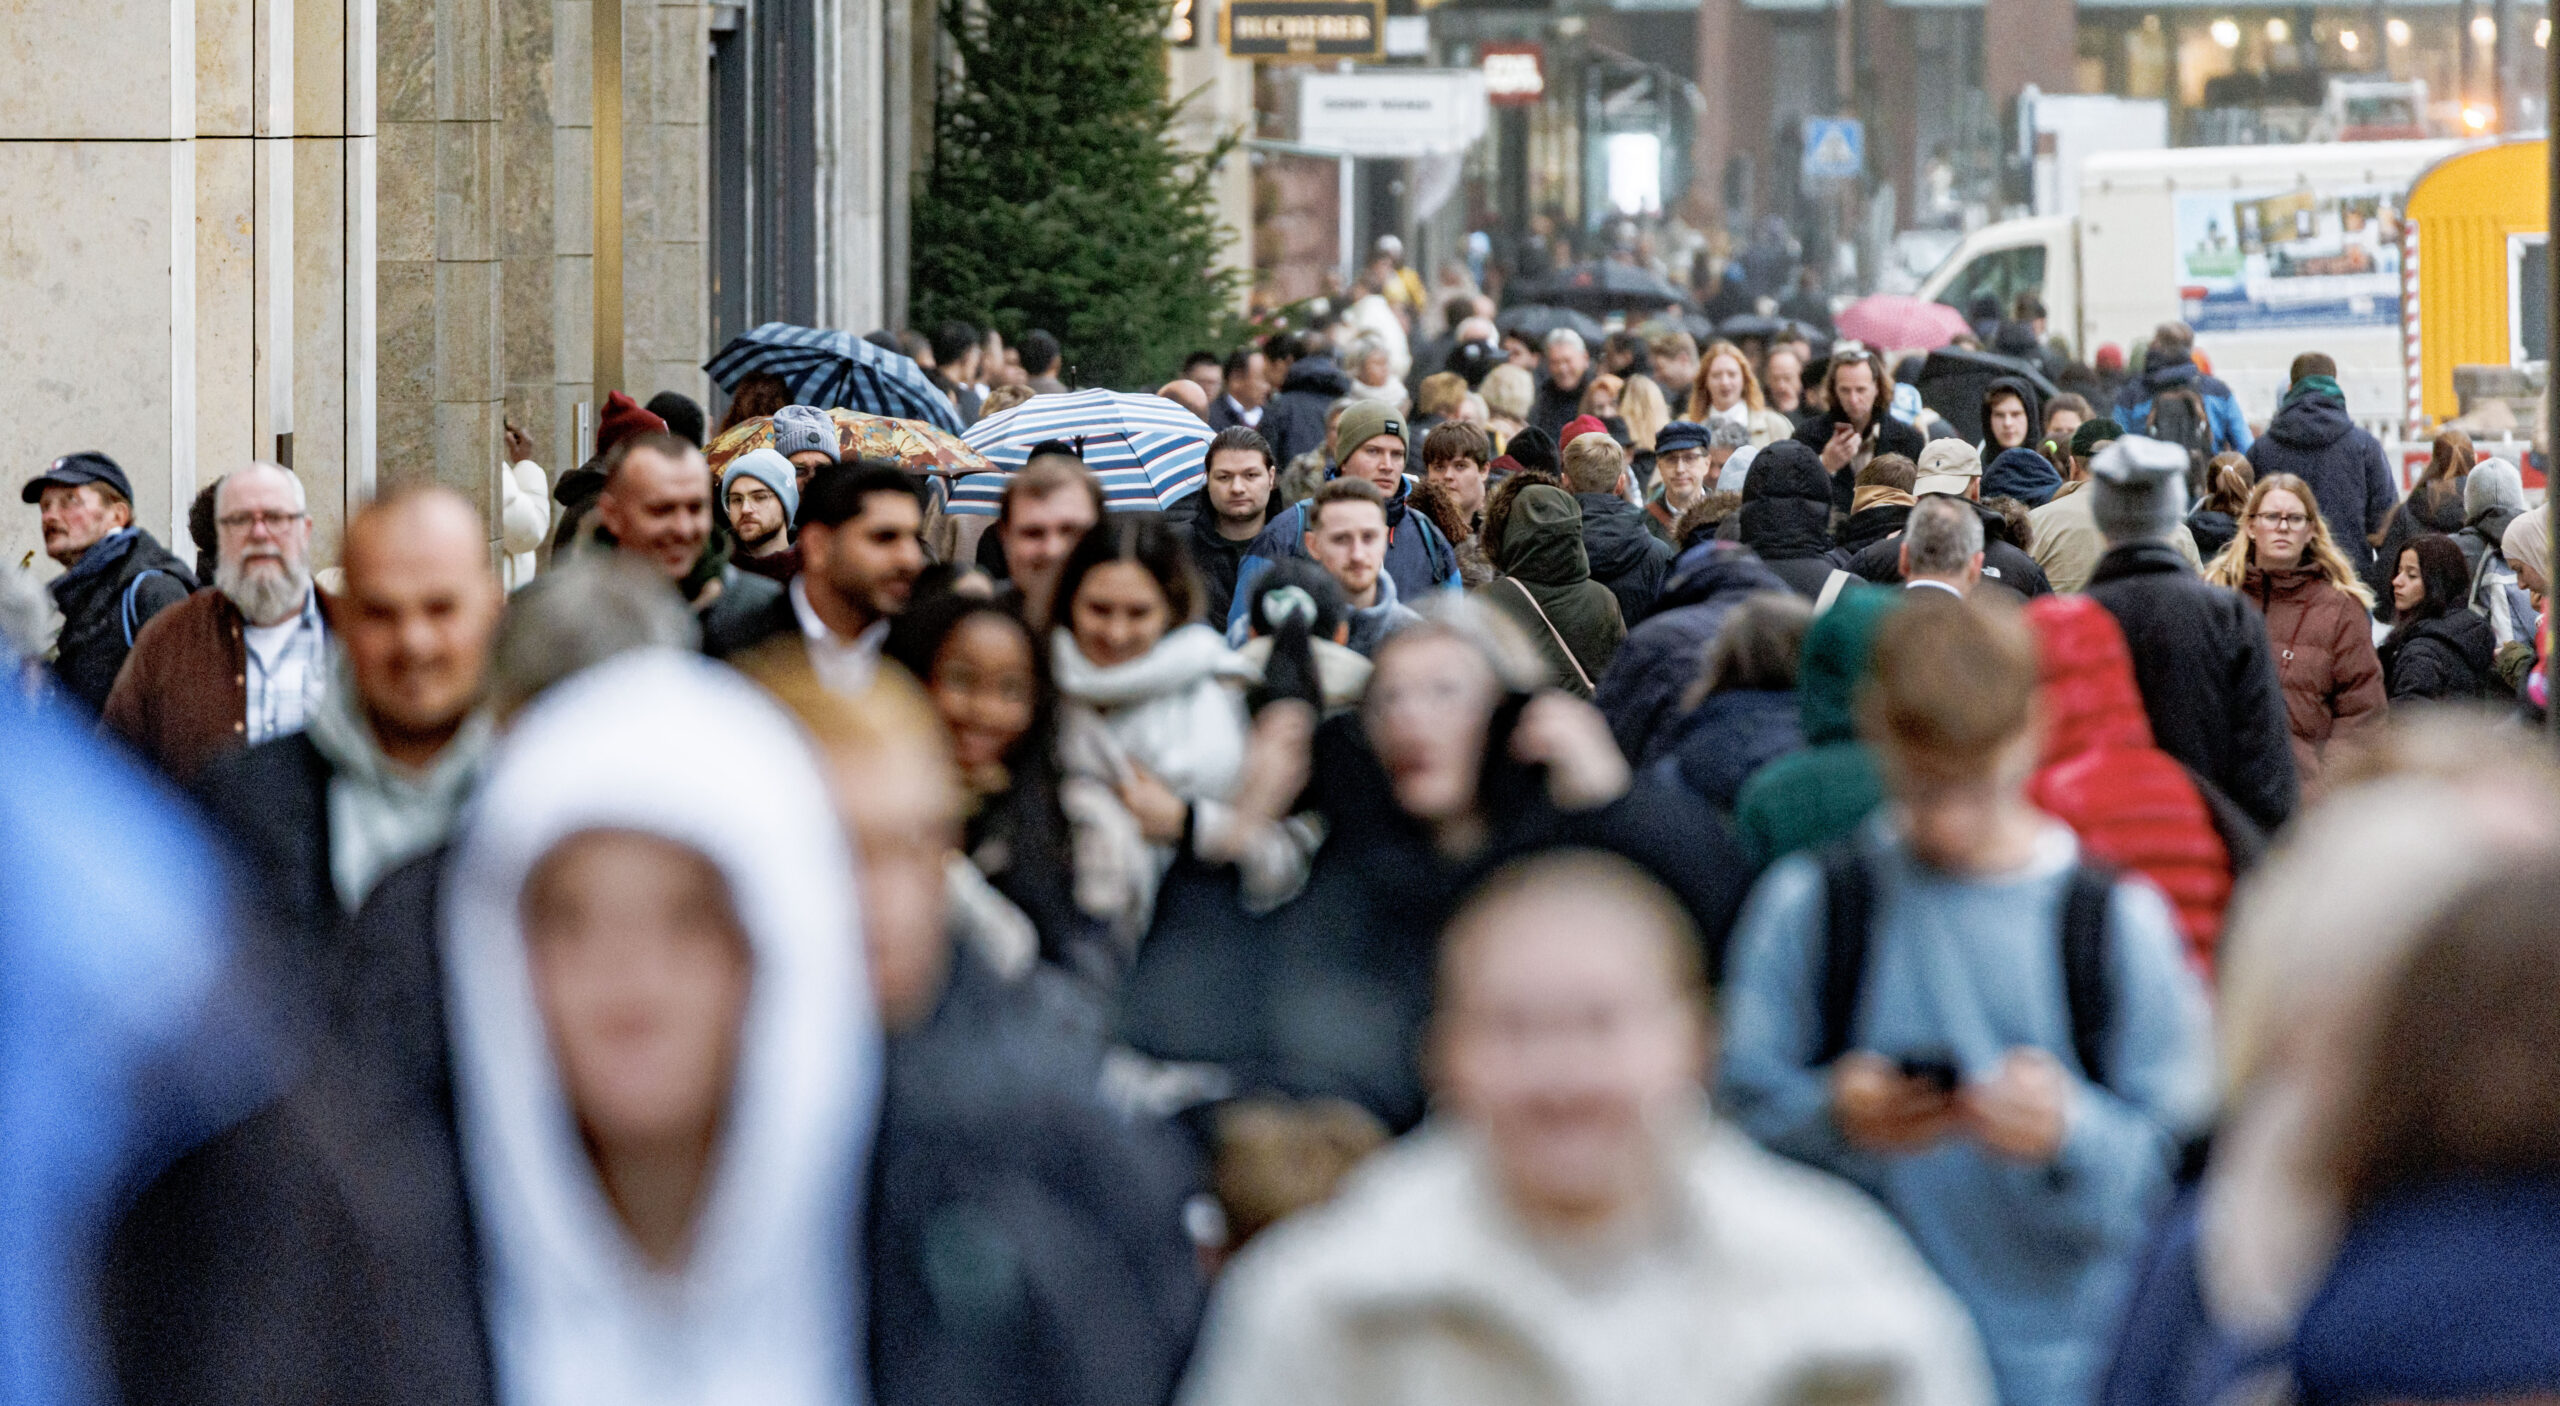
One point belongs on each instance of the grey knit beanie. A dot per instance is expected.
(2138, 489)
(798, 428)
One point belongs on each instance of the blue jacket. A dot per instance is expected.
(1640, 693)
(112, 938)
(2171, 1351)
(2042, 1256)
(1418, 557)
(1731, 735)
(2221, 407)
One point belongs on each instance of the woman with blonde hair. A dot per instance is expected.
(1728, 389)
(2318, 617)
(1507, 392)
(1642, 405)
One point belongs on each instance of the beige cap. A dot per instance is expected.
(1947, 466)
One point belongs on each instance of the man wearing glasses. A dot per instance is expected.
(114, 576)
(243, 662)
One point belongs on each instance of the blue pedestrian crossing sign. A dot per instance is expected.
(1835, 148)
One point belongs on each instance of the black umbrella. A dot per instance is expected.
(1605, 286)
(1535, 321)
(1952, 382)
(1750, 325)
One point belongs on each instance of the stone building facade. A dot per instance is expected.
(360, 236)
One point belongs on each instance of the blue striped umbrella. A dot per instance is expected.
(1147, 450)
(835, 371)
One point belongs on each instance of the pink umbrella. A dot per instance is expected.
(1893, 322)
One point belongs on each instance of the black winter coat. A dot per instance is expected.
(2213, 531)
(1555, 407)
(270, 806)
(1625, 555)
(1786, 516)
(1869, 526)
(1026, 1242)
(1217, 559)
(2312, 439)
(1329, 995)
(2003, 564)
(1731, 735)
(2451, 656)
(1293, 420)
(322, 1250)
(1640, 695)
(2207, 675)
(91, 596)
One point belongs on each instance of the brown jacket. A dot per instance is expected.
(2324, 654)
(182, 698)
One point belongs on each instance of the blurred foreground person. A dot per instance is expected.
(2446, 1285)
(1955, 1010)
(1026, 1241)
(1454, 764)
(396, 740)
(1818, 794)
(604, 1138)
(1660, 657)
(120, 1037)
(1575, 1227)
(2312, 947)
(861, 550)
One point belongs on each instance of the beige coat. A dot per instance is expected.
(2068, 543)
(1771, 1284)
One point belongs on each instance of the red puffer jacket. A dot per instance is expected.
(2131, 804)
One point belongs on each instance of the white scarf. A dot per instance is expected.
(767, 1309)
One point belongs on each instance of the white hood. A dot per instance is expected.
(768, 1307)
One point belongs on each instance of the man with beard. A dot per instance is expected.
(114, 577)
(761, 493)
(861, 550)
(395, 743)
(234, 666)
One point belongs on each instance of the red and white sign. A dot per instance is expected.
(1515, 73)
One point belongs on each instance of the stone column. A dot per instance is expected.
(666, 283)
(99, 237)
(852, 165)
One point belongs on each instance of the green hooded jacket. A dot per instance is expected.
(1810, 798)
(1543, 560)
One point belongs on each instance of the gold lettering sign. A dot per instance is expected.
(1302, 29)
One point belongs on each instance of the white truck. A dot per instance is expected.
(2266, 251)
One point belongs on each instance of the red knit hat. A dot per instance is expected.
(1581, 425)
(624, 418)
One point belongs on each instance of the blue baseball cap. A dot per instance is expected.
(72, 470)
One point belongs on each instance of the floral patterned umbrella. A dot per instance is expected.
(910, 444)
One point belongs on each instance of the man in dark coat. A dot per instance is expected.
(115, 577)
(384, 761)
(1660, 658)
(1786, 516)
(1293, 420)
(1231, 509)
(1625, 555)
(1859, 425)
(1560, 386)
(2312, 439)
(2200, 653)
(2003, 564)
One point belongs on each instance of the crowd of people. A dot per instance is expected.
(1631, 873)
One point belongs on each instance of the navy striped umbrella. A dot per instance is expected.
(1147, 450)
(835, 371)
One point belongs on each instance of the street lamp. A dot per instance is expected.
(2398, 31)
(2226, 33)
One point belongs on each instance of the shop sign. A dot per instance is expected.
(1284, 30)
(1515, 73)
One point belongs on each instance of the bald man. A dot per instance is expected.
(1187, 394)
(233, 666)
(396, 741)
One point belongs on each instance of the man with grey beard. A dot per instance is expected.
(241, 663)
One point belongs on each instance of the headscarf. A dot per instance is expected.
(767, 1307)
(2528, 538)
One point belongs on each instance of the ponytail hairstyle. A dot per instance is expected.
(2227, 481)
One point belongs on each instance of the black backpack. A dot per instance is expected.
(1849, 884)
(2177, 416)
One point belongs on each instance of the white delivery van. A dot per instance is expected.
(2266, 251)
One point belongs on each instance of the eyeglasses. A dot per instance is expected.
(2283, 522)
(273, 522)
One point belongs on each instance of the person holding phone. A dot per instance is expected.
(1860, 423)
(2001, 1042)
